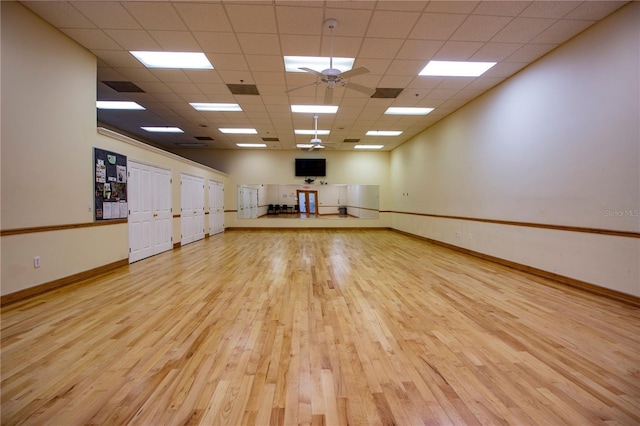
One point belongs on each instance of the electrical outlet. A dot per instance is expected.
(458, 234)
(36, 262)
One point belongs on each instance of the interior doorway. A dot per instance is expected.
(308, 202)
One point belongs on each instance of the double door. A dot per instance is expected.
(308, 201)
(150, 213)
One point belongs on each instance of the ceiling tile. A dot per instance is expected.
(594, 10)
(92, 38)
(351, 23)
(63, 14)
(380, 48)
(134, 39)
(530, 52)
(548, 9)
(451, 6)
(405, 67)
(457, 50)
(218, 42)
(176, 41)
(227, 62)
(300, 20)
(419, 49)
(480, 28)
(500, 8)
(562, 30)
(302, 45)
(436, 26)
(522, 30)
(203, 76)
(108, 15)
(117, 58)
(347, 47)
(204, 16)
(260, 44)
(495, 52)
(171, 76)
(156, 15)
(389, 24)
(265, 63)
(252, 18)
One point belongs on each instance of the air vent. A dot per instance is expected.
(271, 139)
(243, 89)
(351, 140)
(123, 86)
(387, 93)
(191, 144)
(204, 138)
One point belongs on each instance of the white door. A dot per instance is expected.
(162, 210)
(198, 205)
(216, 207)
(150, 221)
(191, 208)
(140, 222)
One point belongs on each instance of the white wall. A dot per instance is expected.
(48, 135)
(557, 144)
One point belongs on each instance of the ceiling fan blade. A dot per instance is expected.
(328, 95)
(360, 88)
(315, 83)
(354, 72)
(319, 74)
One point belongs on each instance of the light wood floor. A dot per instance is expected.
(319, 327)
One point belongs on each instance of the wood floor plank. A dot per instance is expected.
(325, 327)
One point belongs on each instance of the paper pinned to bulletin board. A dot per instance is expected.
(110, 180)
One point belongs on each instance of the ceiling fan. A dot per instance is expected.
(332, 77)
(316, 142)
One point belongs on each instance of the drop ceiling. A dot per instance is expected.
(246, 43)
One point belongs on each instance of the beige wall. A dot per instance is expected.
(557, 144)
(277, 167)
(48, 135)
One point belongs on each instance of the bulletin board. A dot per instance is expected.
(110, 180)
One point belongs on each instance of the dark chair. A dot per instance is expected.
(277, 208)
(271, 209)
(284, 208)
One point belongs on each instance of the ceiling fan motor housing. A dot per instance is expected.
(316, 141)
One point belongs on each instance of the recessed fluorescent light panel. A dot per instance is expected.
(215, 107)
(456, 68)
(318, 63)
(252, 145)
(368, 147)
(163, 129)
(310, 132)
(319, 109)
(384, 132)
(408, 111)
(187, 60)
(118, 105)
(239, 131)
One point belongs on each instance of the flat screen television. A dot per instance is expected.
(311, 167)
